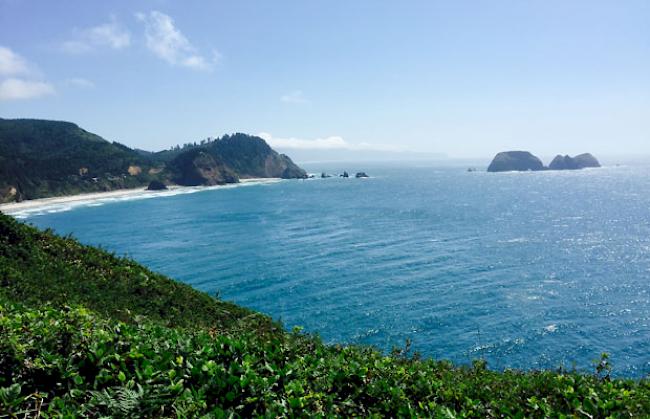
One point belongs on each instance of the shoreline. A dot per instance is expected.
(66, 202)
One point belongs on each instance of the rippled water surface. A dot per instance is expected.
(527, 270)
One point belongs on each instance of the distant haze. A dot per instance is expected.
(338, 80)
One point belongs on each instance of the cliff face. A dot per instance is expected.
(197, 167)
(520, 161)
(252, 157)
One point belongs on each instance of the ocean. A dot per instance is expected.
(523, 270)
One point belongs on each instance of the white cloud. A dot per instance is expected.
(328, 143)
(76, 47)
(12, 64)
(13, 84)
(80, 82)
(110, 34)
(15, 89)
(295, 97)
(169, 44)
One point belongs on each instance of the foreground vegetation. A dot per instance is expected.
(85, 333)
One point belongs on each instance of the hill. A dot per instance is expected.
(47, 158)
(87, 333)
(229, 158)
(40, 158)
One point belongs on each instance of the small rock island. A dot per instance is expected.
(515, 161)
(581, 161)
(523, 161)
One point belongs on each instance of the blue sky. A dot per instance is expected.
(465, 78)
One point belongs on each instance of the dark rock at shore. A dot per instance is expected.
(574, 163)
(345, 174)
(324, 175)
(361, 174)
(156, 185)
(519, 161)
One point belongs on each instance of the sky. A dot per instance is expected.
(463, 78)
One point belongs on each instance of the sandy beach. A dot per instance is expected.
(64, 203)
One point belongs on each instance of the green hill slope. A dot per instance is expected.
(46, 158)
(85, 333)
(40, 158)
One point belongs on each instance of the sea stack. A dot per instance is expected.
(581, 161)
(515, 161)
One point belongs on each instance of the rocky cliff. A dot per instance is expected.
(229, 159)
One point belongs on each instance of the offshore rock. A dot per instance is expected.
(156, 185)
(581, 161)
(515, 161)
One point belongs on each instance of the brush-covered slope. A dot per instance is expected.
(38, 267)
(40, 158)
(86, 334)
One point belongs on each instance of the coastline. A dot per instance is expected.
(66, 202)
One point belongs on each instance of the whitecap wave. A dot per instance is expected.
(551, 328)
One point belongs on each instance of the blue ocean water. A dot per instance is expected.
(525, 270)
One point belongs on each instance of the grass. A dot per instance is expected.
(85, 333)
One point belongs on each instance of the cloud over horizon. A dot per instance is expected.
(295, 97)
(15, 89)
(80, 82)
(168, 43)
(11, 63)
(17, 81)
(334, 142)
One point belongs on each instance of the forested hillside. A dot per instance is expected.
(47, 158)
(41, 158)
